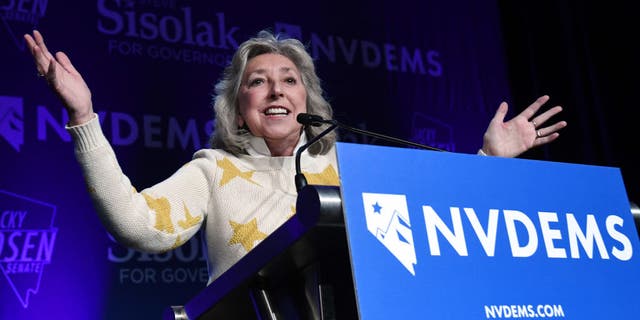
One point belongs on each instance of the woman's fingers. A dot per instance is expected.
(546, 131)
(545, 139)
(543, 117)
(65, 62)
(531, 110)
(38, 50)
(40, 42)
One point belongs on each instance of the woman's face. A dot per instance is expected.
(270, 98)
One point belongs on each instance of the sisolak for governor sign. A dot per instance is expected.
(436, 235)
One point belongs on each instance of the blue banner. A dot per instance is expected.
(454, 236)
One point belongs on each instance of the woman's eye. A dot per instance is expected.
(256, 82)
(291, 80)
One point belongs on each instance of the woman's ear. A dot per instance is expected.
(240, 121)
(242, 125)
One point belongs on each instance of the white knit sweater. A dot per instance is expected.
(240, 200)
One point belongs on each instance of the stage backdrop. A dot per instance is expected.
(429, 71)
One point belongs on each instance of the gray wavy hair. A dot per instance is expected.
(227, 135)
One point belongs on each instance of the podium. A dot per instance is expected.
(415, 234)
(301, 271)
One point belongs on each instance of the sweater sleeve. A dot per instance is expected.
(156, 219)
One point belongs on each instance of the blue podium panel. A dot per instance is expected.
(437, 235)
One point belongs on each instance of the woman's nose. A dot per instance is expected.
(276, 90)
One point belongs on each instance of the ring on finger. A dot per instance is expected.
(535, 125)
(538, 134)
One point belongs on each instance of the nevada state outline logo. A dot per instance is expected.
(387, 218)
(27, 240)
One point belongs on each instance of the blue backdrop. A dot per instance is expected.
(430, 71)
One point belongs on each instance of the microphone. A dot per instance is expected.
(306, 120)
(310, 119)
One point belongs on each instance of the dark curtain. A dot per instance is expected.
(585, 56)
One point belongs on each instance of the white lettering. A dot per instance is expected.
(627, 250)
(548, 234)
(593, 234)
(510, 217)
(523, 235)
(434, 223)
(488, 238)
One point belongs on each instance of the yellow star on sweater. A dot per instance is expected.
(230, 171)
(328, 177)
(163, 212)
(189, 220)
(246, 234)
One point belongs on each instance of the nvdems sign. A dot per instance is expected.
(454, 236)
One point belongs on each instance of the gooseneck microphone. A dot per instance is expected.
(313, 120)
(307, 119)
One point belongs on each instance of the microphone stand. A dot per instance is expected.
(300, 179)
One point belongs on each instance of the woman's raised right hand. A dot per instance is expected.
(63, 78)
